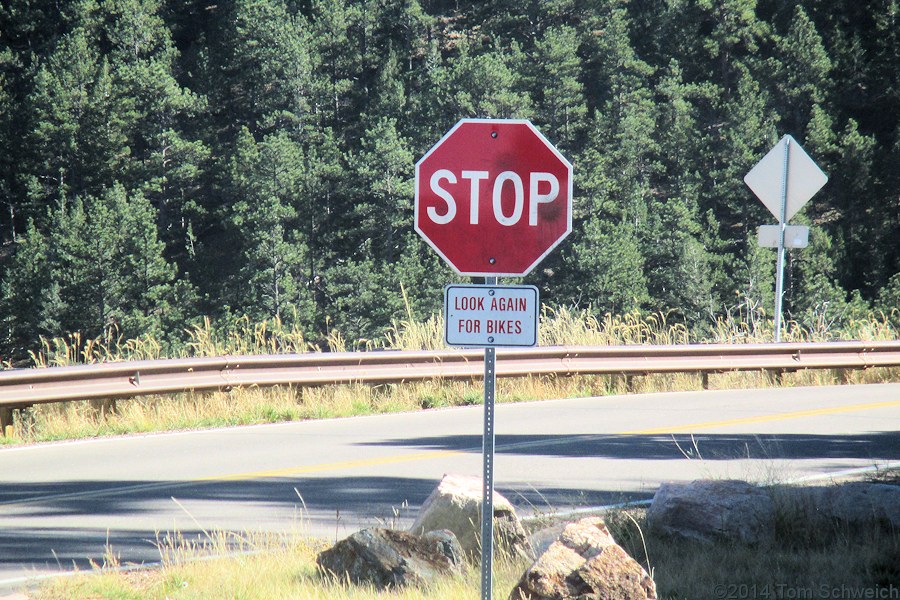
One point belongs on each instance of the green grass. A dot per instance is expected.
(807, 553)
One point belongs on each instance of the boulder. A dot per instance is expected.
(585, 563)
(455, 504)
(856, 503)
(541, 539)
(708, 511)
(386, 558)
(863, 502)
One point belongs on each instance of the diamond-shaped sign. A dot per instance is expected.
(804, 178)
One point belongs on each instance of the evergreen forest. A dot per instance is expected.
(166, 161)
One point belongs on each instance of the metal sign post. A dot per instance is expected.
(490, 316)
(487, 455)
(779, 272)
(784, 180)
(471, 206)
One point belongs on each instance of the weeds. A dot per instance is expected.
(255, 566)
(805, 555)
(559, 326)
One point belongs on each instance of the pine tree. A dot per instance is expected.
(109, 265)
(336, 62)
(481, 84)
(30, 304)
(260, 68)
(266, 179)
(607, 268)
(8, 201)
(802, 73)
(165, 165)
(76, 140)
(560, 106)
(384, 171)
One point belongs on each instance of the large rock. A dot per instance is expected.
(860, 503)
(455, 504)
(585, 563)
(857, 503)
(713, 510)
(386, 558)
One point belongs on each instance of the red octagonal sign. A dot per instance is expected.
(493, 197)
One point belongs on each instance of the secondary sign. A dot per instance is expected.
(795, 236)
(490, 316)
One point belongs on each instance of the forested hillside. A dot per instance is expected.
(164, 160)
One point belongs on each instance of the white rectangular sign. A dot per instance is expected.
(795, 236)
(485, 316)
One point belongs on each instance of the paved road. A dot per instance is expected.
(60, 504)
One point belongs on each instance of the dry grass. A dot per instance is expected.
(808, 558)
(253, 566)
(560, 326)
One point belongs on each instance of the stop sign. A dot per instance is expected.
(493, 197)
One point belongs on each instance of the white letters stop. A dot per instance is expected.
(506, 178)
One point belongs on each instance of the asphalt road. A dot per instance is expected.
(62, 504)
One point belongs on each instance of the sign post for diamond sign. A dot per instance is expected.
(784, 180)
(493, 198)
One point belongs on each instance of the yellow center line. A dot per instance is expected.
(335, 466)
(434, 454)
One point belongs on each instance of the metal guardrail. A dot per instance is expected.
(25, 387)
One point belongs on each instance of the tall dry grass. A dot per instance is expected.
(254, 566)
(807, 554)
(746, 323)
(809, 557)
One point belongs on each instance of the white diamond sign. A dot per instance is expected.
(804, 178)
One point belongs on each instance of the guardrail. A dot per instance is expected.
(25, 387)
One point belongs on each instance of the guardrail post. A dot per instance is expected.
(704, 379)
(106, 406)
(776, 376)
(6, 419)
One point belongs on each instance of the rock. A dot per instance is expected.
(585, 563)
(386, 558)
(446, 542)
(455, 504)
(857, 503)
(713, 510)
(541, 539)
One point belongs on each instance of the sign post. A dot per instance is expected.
(493, 198)
(784, 180)
(487, 468)
(782, 219)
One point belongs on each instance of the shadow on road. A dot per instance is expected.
(873, 446)
(33, 532)
(337, 504)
